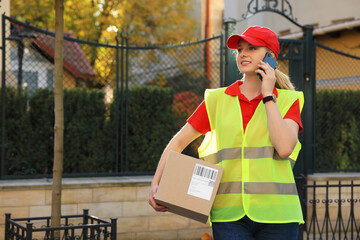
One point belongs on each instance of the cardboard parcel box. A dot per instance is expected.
(188, 186)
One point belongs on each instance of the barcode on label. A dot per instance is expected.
(205, 172)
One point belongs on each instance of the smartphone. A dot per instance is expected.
(270, 60)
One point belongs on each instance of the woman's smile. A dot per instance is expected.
(245, 63)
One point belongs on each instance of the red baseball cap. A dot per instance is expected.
(257, 36)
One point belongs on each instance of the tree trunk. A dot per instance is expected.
(59, 116)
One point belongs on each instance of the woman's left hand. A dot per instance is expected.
(152, 202)
(268, 78)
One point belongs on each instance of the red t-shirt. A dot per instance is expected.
(200, 120)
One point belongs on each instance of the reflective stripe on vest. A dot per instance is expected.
(258, 188)
(249, 152)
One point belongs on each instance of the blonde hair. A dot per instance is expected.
(283, 81)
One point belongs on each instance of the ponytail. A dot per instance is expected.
(283, 81)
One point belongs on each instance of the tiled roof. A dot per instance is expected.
(75, 60)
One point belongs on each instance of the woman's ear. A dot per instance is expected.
(271, 52)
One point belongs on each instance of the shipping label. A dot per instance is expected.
(202, 181)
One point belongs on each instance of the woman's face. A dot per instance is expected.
(249, 57)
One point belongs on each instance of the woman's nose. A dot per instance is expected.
(243, 53)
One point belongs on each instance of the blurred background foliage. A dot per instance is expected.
(146, 21)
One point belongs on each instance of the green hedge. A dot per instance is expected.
(41, 125)
(18, 132)
(90, 131)
(151, 126)
(337, 130)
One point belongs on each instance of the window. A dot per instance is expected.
(50, 78)
(29, 81)
(31, 78)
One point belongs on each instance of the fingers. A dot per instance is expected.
(268, 76)
(158, 208)
(266, 67)
(152, 202)
(261, 72)
(266, 71)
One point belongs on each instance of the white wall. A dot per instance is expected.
(321, 12)
(216, 17)
(4, 8)
(198, 15)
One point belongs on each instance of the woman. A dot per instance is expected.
(252, 131)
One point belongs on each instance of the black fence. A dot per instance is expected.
(337, 111)
(331, 210)
(106, 110)
(85, 227)
(122, 103)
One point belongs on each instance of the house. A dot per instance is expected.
(35, 57)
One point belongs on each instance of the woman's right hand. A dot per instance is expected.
(153, 191)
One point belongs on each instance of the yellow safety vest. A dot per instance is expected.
(256, 181)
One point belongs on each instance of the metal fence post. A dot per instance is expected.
(309, 106)
(231, 70)
(7, 225)
(113, 228)
(117, 131)
(126, 101)
(3, 97)
(122, 104)
(29, 226)
(85, 222)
